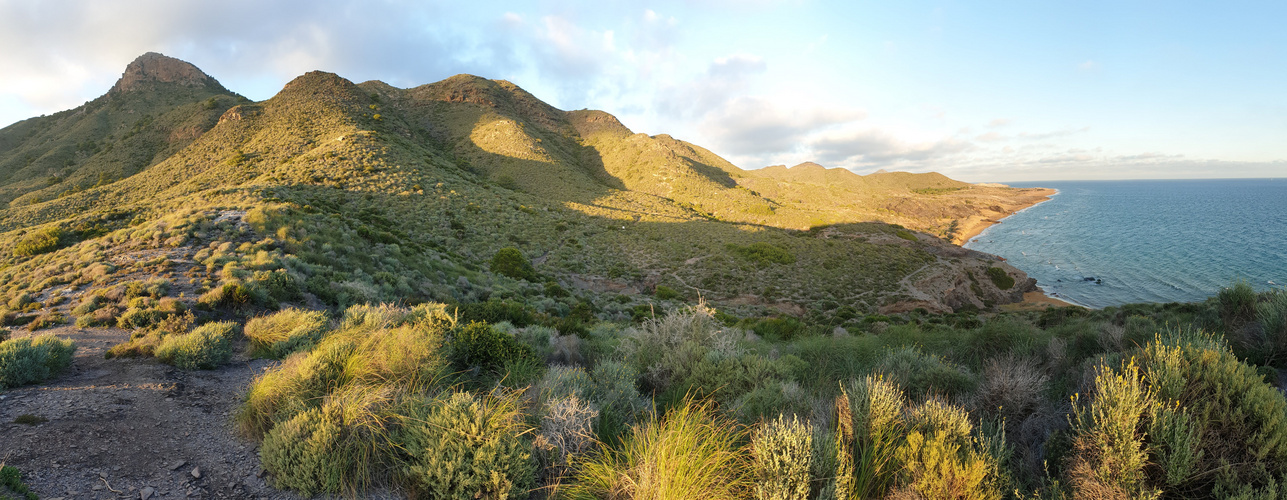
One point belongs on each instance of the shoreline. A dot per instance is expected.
(975, 228)
(1035, 300)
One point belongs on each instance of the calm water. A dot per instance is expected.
(1147, 241)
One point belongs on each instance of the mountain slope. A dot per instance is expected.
(333, 193)
(157, 108)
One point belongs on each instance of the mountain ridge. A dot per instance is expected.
(367, 192)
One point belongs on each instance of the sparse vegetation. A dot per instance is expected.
(1000, 278)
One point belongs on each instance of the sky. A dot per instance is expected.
(995, 91)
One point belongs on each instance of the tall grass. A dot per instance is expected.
(279, 334)
(692, 452)
(205, 347)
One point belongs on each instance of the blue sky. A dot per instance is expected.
(981, 91)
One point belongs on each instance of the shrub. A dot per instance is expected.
(1237, 304)
(33, 359)
(375, 345)
(90, 304)
(924, 374)
(139, 317)
(46, 320)
(784, 328)
(781, 452)
(905, 234)
(496, 311)
(562, 382)
(144, 342)
(664, 292)
(942, 459)
(38, 242)
(763, 253)
(871, 426)
(300, 453)
(566, 434)
(336, 448)
(691, 453)
(1000, 278)
(1012, 387)
(20, 301)
(1210, 397)
(614, 391)
(1109, 452)
(478, 345)
(1272, 313)
(284, 332)
(205, 347)
(510, 262)
(466, 446)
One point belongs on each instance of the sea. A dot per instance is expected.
(1108, 243)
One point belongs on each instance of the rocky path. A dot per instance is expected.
(132, 428)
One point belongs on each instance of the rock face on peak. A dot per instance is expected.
(154, 67)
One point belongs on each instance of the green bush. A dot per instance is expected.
(942, 459)
(337, 448)
(1209, 397)
(784, 328)
(205, 347)
(763, 253)
(42, 241)
(1000, 278)
(20, 301)
(33, 359)
(301, 453)
(614, 390)
(496, 311)
(510, 262)
(478, 345)
(1109, 451)
(926, 374)
(781, 453)
(1272, 313)
(664, 292)
(46, 320)
(465, 447)
(905, 234)
(284, 332)
(1237, 304)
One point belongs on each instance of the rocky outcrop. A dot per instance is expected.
(157, 68)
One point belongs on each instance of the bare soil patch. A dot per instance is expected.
(122, 428)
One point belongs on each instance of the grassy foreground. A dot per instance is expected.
(1170, 400)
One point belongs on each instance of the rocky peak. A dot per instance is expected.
(154, 67)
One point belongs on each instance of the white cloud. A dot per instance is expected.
(1088, 66)
(876, 147)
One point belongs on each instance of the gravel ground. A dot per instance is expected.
(133, 428)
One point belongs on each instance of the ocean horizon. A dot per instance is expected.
(1108, 243)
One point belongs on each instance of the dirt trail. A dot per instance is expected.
(119, 428)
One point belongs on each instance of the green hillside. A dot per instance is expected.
(472, 294)
(332, 193)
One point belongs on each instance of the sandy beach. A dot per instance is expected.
(976, 224)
